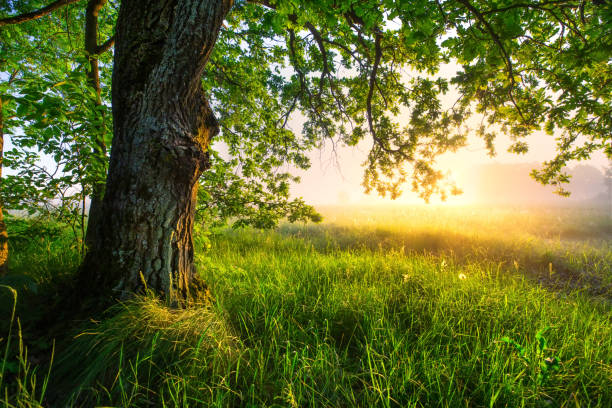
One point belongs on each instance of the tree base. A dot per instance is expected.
(199, 293)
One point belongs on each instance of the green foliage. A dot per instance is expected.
(24, 231)
(44, 254)
(351, 69)
(258, 197)
(546, 366)
(52, 118)
(62, 122)
(354, 68)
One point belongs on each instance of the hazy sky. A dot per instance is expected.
(335, 176)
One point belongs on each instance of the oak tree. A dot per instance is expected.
(189, 71)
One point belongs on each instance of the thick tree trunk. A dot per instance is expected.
(3, 232)
(162, 128)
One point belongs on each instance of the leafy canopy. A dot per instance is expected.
(353, 70)
(50, 113)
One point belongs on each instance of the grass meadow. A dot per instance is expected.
(388, 306)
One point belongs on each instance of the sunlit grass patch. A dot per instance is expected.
(146, 351)
(379, 315)
(533, 242)
(377, 327)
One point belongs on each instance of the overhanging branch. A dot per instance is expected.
(502, 50)
(372, 83)
(105, 46)
(33, 15)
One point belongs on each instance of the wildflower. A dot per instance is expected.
(462, 276)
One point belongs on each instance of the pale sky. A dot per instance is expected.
(336, 176)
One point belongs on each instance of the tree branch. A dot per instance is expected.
(377, 57)
(538, 6)
(502, 49)
(326, 72)
(33, 15)
(91, 43)
(105, 46)
(303, 83)
(319, 39)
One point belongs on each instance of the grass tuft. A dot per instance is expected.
(147, 352)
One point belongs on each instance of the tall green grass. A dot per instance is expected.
(401, 313)
(380, 328)
(18, 377)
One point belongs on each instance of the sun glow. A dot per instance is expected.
(336, 174)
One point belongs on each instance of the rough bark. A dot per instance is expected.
(3, 232)
(163, 125)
